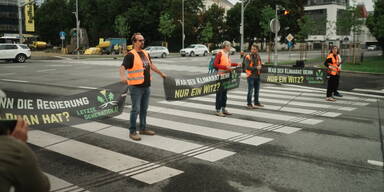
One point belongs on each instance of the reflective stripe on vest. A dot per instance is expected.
(136, 73)
(249, 72)
(224, 61)
(333, 68)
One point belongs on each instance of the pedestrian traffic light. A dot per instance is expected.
(286, 12)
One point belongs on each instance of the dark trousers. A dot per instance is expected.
(337, 84)
(253, 88)
(333, 82)
(221, 99)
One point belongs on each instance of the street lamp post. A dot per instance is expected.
(275, 58)
(19, 6)
(242, 24)
(77, 29)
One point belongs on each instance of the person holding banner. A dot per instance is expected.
(138, 65)
(332, 63)
(19, 169)
(253, 66)
(339, 62)
(223, 65)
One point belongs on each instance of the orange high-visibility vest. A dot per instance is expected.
(333, 68)
(249, 72)
(136, 73)
(224, 61)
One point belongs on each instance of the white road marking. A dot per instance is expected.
(14, 80)
(376, 163)
(226, 120)
(284, 96)
(160, 142)
(60, 65)
(4, 74)
(246, 112)
(18, 66)
(45, 70)
(85, 87)
(297, 103)
(57, 183)
(368, 90)
(274, 107)
(94, 155)
(201, 130)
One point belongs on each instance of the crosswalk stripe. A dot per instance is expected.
(159, 142)
(57, 183)
(283, 95)
(319, 97)
(227, 120)
(275, 108)
(94, 155)
(297, 103)
(306, 89)
(246, 112)
(200, 130)
(368, 90)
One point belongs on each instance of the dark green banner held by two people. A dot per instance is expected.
(199, 85)
(52, 111)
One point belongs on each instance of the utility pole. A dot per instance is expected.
(276, 17)
(182, 24)
(242, 27)
(77, 29)
(19, 6)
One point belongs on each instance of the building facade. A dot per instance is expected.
(221, 3)
(8, 17)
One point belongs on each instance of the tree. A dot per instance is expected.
(166, 26)
(51, 18)
(214, 19)
(122, 26)
(375, 23)
(207, 33)
(267, 14)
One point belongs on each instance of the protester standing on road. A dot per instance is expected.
(138, 64)
(339, 62)
(18, 164)
(223, 64)
(253, 66)
(332, 64)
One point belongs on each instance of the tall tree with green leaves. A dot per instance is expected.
(166, 26)
(214, 16)
(375, 23)
(122, 26)
(207, 33)
(267, 14)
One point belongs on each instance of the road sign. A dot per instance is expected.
(274, 25)
(289, 37)
(62, 35)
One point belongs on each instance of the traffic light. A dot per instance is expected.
(283, 12)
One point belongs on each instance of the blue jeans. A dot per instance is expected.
(253, 84)
(140, 100)
(221, 100)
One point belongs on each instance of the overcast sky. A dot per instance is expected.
(368, 3)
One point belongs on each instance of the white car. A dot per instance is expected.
(372, 48)
(194, 49)
(15, 52)
(233, 51)
(157, 51)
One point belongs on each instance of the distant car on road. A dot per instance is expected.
(15, 52)
(372, 48)
(194, 49)
(233, 51)
(157, 51)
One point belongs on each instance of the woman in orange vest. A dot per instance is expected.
(332, 64)
(223, 64)
(137, 63)
(253, 69)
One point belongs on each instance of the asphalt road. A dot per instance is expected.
(298, 142)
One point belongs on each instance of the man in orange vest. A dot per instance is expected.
(223, 64)
(137, 63)
(332, 64)
(253, 66)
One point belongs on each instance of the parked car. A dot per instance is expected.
(15, 52)
(194, 49)
(372, 48)
(233, 51)
(157, 51)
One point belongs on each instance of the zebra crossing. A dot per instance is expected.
(285, 111)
